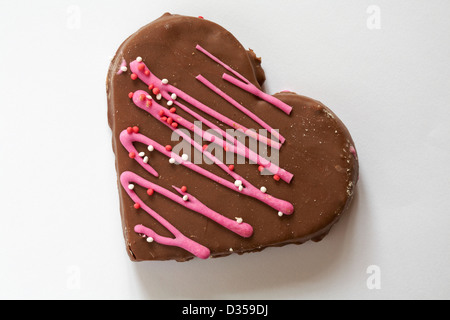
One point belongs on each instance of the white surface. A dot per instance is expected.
(60, 227)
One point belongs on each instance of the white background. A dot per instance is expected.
(61, 236)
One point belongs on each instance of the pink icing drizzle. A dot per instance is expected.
(127, 178)
(240, 107)
(243, 229)
(246, 84)
(165, 90)
(128, 139)
(180, 240)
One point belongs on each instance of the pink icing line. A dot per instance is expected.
(239, 149)
(237, 105)
(180, 240)
(127, 140)
(243, 229)
(260, 94)
(156, 108)
(150, 78)
(167, 89)
(224, 134)
(123, 64)
(245, 84)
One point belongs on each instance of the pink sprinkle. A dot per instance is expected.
(183, 189)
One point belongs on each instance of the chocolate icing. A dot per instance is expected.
(318, 150)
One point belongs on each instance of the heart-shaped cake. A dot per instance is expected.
(208, 163)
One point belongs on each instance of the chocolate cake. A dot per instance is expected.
(209, 164)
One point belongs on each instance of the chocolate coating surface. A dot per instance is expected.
(318, 148)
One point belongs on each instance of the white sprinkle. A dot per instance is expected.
(131, 186)
(158, 96)
(171, 160)
(164, 81)
(149, 239)
(145, 159)
(241, 188)
(141, 154)
(173, 96)
(231, 249)
(238, 183)
(239, 220)
(169, 103)
(185, 198)
(185, 157)
(280, 214)
(124, 69)
(139, 59)
(150, 148)
(263, 189)
(149, 97)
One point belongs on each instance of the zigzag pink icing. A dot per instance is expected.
(237, 105)
(247, 85)
(180, 239)
(166, 90)
(128, 178)
(127, 138)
